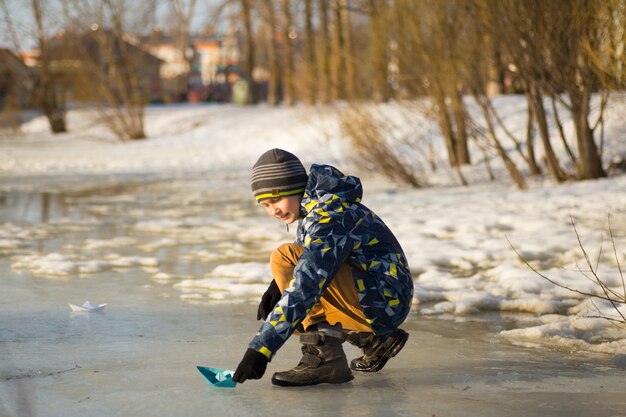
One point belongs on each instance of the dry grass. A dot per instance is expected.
(371, 137)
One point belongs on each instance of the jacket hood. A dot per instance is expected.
(326, 183)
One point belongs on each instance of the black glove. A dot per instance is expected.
(268, 301)
(252, 366)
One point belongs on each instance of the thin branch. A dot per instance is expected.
(597, 281)
(611, 320)
(600, 251)
(559, 125)
(507, 132)
(565, 287)
(619, 268)
(602, 285)
(603, 102)
(601, 315)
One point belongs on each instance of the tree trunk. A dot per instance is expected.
(47, 96)
(378, 42)
(123, 80)
(590, 163)
(324, 53)
(309, 53)
(183, 18)
(539, 112)
(249, 51)
(559, 125)
(445, 124)
(273, 93)
(514, 173)
(337, 62)
(460, 118)
(350, 82)
(530, 139)
(273, 87)
(288, 65)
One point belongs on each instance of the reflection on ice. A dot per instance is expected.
(31, 207)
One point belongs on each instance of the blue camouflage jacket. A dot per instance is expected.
(334, 228)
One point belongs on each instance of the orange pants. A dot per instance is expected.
(339, 303)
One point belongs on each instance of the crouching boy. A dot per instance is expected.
(345, 277)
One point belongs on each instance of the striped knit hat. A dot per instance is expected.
(277, 173)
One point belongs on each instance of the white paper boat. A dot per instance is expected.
(88, 307)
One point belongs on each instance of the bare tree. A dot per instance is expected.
(309, 52)
(112, 61)
(273, 94)
(577, 26)
(379, 40)
(337, 55)
(510, 166)
(607, 57)
(323, 53)
(249, 50)
(48, 92)
(348, 52)
(50, 99)
(431, 64)
(514, 25)
(548, 44)
(288, 53)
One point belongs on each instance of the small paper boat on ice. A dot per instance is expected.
(218, 377)
(87, 307)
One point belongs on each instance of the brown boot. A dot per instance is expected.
(323, 359)
(376, 352)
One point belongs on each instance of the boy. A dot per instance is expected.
(345, 277)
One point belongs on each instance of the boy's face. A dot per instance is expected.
(285, 209)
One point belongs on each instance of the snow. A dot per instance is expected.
(458, 240)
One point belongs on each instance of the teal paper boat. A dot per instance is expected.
(218, 377)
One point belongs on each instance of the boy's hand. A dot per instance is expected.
(252, 366)
(268, 301)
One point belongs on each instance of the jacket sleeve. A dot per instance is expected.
(327, 245)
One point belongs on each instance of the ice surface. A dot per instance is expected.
(166, 228)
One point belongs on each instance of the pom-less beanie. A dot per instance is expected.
(277, 173)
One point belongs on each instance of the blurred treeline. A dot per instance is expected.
(557, 53)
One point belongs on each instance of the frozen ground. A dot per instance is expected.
(139, 359)
(165, 231)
